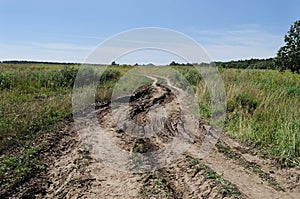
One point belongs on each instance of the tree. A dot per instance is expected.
(288, 56)
(173, 63)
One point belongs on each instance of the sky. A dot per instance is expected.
(69, 30)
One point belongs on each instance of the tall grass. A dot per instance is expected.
(264, 108)
(32, 100)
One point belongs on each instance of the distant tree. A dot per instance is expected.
(173, 63)
(113, 63)
(288, 56)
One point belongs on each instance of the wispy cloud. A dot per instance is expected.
(239, 42)
(92, 37)
(44, 51)
(62, 46)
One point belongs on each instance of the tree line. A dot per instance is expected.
(36, 62)
(249, 64)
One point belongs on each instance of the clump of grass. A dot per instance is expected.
(246, 102)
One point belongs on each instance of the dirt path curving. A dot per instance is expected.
(231, 170)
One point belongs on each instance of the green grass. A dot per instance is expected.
(31, 102)
(263, 108)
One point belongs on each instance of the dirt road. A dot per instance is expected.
(231, 169)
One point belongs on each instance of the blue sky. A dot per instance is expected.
(68, 30)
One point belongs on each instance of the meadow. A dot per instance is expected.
(263, 111)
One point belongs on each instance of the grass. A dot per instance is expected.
(31, 102)
(263, 107)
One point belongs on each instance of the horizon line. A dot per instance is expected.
(74, 63)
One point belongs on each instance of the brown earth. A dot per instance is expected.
(230, 170)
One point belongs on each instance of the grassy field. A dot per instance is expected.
(263, 109)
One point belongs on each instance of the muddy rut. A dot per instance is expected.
(78, 170)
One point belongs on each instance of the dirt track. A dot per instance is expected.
(74, 172)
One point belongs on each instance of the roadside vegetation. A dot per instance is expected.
(263, 109)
